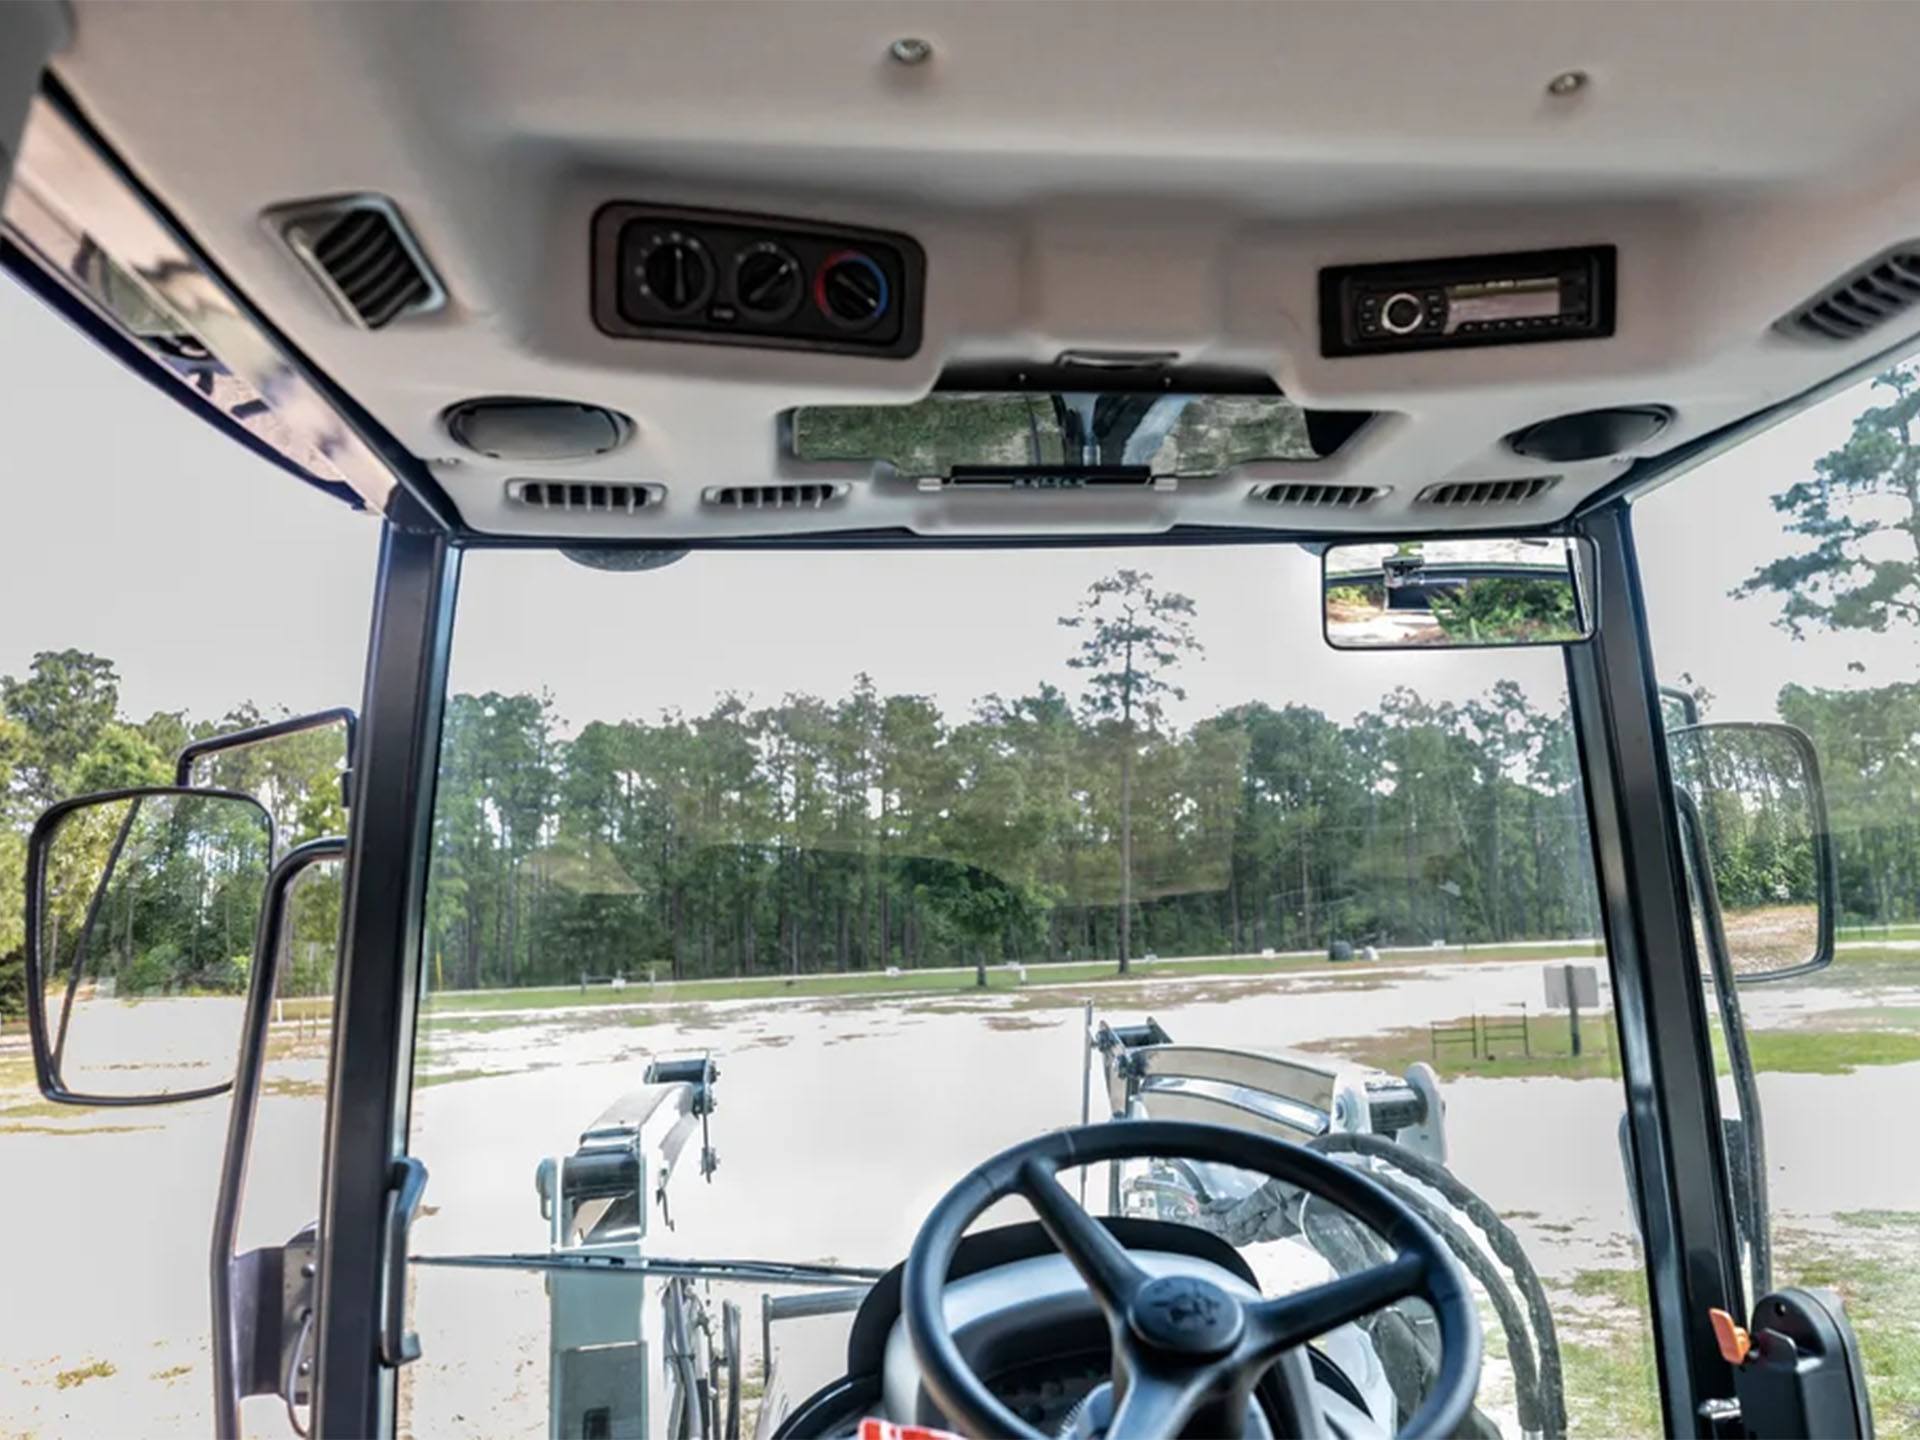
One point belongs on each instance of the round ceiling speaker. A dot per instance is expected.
(506, 428)
(1590, 434)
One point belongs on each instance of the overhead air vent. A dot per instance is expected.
(1488, 492)
(810, 495)
(364, 257)
(591, 497)
(1874, 294)
(1330, 497)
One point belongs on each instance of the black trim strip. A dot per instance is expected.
(62, 300)
(376, 993)
(228, 1339)
(431, 502)
(1678, 1166)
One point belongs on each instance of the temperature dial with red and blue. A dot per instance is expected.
(851, 289)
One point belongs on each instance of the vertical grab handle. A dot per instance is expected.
(408, 1182)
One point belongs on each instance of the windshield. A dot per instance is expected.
(927, 853)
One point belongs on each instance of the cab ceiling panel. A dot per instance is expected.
(1130, 177)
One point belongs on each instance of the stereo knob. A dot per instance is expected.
(851, 290)
(767, 282)
(1401, 315)
(675, 272)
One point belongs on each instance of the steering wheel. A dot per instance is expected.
(1185, 1349)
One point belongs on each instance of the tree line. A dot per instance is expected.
(874, 830)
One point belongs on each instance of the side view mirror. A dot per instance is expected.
(1442, 594)
(1755, 814)
(142, 912)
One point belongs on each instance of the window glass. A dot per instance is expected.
(931, 852)
(1783, 585)
(160, 584)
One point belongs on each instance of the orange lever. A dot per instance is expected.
(1734, 1341)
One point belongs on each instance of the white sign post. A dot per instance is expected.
(1573, 986)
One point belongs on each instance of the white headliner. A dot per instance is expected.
(1109, 175)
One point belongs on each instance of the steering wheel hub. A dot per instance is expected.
(1186, 1315)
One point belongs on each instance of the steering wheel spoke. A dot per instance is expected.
(1290, 1320)
(1156, 1406)
(1102, 1261)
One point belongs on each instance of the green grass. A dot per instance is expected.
(79, 1375)
(1878, 932)
(1828, 1052)
(1880, 1219)
(1882, 1297)
(1836, 1045)
(486, 1023)
(950, 982)
(454, 1077)
(1855, 969)
(1625, 1288)
(1610, 1385)
(1609, 1363)
(1549, 1039)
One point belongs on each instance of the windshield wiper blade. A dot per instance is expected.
(774, 1271)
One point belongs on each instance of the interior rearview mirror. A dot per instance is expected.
(142, 907)
(1754, 819)
(1458, 593)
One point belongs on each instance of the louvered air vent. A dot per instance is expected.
(1872, 295)
(806, 496)
(364, 257)
(1333, 497)
(593, 497)
(1488, 492)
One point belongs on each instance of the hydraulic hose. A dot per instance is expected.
(1526, 1375)
(1505, 1244)
(1350, 1246)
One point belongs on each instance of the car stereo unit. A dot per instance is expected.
(1482, 300)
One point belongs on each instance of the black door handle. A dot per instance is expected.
(408, 1182)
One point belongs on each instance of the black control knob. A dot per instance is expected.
(1401, 315)
(675, 272)
(852, 290)
(767, 282)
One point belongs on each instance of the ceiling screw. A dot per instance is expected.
(1567, 82)
(911, 50)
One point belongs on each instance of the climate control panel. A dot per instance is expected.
(708, 276)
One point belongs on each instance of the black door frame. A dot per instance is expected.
(382, 917)
(1676, 1159)
(1677, 1163)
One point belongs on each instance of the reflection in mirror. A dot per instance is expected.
(296, 766)
(1163, 434)
(1453, 594)
(144, 909)
(1762, 822)
(309, 944)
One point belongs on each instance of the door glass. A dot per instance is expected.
(160, 582)
(820, 878)
(1782, 586)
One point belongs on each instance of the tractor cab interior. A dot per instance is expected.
(955, 466)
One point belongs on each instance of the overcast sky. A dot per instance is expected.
(211, 578)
